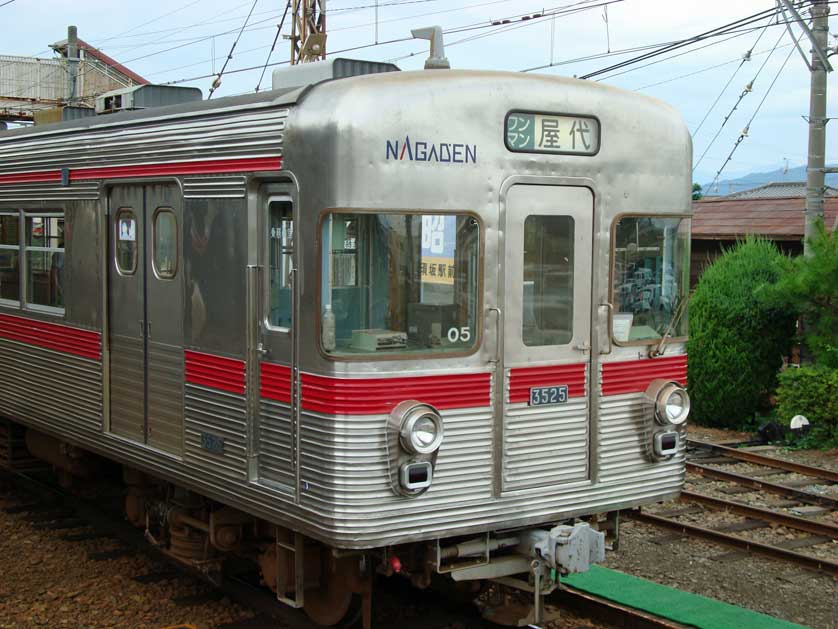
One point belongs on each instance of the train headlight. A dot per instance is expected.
(671, 402)
(421, 430)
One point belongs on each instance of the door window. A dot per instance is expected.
(281, 251)
(126, 241)
(165, 253)
(548, 280)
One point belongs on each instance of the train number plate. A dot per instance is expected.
(212, 443)
(540, 396)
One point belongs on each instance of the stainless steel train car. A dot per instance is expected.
(418, 322)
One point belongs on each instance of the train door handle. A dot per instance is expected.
(262, 350)
(496, 359)
(609, 325)
(583, 347)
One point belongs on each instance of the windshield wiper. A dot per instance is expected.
(682, 308)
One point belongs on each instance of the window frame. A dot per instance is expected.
(612, 268)
(394, 356)
(573, 275)
(25, 249)
(157, 212)
(15, 303)
(135, 260)
(266, 239)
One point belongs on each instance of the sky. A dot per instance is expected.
(175, 40)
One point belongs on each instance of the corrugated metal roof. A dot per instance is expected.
(778, 219)
(778, 189)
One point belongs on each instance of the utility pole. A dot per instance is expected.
(308, 31)
(817, 120)
(72, 64)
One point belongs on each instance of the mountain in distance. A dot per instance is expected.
(754, 180)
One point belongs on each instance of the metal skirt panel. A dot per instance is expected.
(222, 416)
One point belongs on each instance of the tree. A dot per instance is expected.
(697, 192)
(737, 340)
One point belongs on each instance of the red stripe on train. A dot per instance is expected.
(523, 378)
(633, 376)
(372, 396)
(60, 338)
(205, 167)
(216, 372)
(275, 382)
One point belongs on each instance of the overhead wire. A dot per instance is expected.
(747, 128)
(217, 81)
(273, 46)
(745, 91)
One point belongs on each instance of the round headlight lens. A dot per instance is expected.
(675, 405)
(421, 432)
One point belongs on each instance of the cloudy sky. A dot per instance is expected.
(175, 40)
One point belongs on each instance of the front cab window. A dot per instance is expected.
(399, 283)
(650, 278)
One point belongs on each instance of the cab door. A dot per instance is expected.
(546, 357)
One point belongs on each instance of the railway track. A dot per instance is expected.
(803, 519)
(74, 518)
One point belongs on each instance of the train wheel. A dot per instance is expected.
(336, 601)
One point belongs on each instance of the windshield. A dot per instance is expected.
(651, 277)
(396, 283)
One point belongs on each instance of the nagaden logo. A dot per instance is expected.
(422, 151)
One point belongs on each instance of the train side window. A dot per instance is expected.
(10, 258)
(281, 252)
(548, 280)
(44, 261)
(165, 250)
(126, 241)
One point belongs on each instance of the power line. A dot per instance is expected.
(747, 90)
(217, 82)
(273, 46)
(747, 128)
(719, 30)
(5, 3)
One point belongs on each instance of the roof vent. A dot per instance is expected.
(304, 74)
(144, 97)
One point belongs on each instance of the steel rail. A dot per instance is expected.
(767, 461)
(604, 610)
(808, 561)
(766, 515)
(783, 490)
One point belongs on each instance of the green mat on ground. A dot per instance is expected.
(677, 605)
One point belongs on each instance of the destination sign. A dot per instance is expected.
(552, 133)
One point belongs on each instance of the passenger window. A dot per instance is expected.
(548, 280)
(281, 252)
(10, 257)
(126, 241)
(165, 253)
(44, 260)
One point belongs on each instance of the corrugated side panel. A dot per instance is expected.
(165, 397)
(223, 417)
(127, 393)
(624, 432)
(250, 134)
(545, 445)
(49, 191)
(275, 447)
(221, 187)
(62, 390)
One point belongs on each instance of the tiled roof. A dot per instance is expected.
(779, 189)
(778, 219)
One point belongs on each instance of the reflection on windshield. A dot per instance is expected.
(394, 283)
(651, 267)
